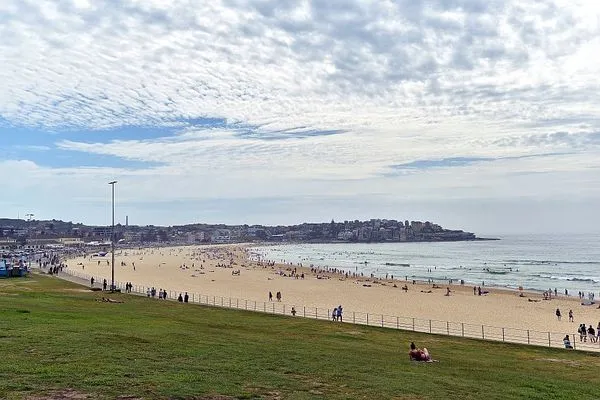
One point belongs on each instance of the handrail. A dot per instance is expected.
(449, 328)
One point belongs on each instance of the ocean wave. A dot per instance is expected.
(594, 280)
(568, 278)
(550, 262)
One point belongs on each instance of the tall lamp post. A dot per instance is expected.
(112, 238)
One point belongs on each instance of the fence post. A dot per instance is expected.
(482, 332)
(237, 303)
(246, 305)
(367, 319)
(230, 302)
(254, 305)
(413, 324)
(353, 317)
(397, 322)
(316, 316)
(382, 320)
(284, 309)
(528, 336)
(503, 334)
(574, 341)
(448, 328)
(264, 307)
(549, 342)
(214, 300)
(304, 311)
(221, 301)
(462, 329)
(429, 326)
(273, 308)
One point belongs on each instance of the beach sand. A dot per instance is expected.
(196, 269)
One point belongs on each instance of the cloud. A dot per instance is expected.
(252, 97)
(463, 161)
(33, 148)
(286, 64)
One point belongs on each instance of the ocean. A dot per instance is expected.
(534, 262)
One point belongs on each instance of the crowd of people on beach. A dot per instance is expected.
(221, 257)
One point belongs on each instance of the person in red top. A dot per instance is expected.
(417, 354)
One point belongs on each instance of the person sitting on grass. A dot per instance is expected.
(567, 342)
(417, 354)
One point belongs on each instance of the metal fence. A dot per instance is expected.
(449, 328)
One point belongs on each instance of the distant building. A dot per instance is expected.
(71, 241)
(39, 243)
(221, 236)
(132, 236)
(345, 235)
(8, 244)
(194, 237)
(103, 232)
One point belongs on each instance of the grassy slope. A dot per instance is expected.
(53, 336)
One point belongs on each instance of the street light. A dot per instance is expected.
(112, 238)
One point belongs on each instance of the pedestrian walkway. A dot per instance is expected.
(450, 328)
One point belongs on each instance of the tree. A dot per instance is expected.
(162, 235)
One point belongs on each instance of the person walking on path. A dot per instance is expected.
(558, 314)
(270, 296)
(571, 319)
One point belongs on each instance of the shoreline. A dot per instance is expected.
(534, 276)
(363, 278)
(207, 270)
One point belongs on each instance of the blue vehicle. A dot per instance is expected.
(8, 270)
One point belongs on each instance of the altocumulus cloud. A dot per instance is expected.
(308, 97)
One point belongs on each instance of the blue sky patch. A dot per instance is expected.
(252, 132)
(444, 162)
(462, 161)
(38, 144)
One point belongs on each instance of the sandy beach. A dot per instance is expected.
(207, 270)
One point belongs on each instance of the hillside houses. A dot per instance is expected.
(38, 234)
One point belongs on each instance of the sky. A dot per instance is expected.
(477, 115)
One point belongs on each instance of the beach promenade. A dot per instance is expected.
(226, 276)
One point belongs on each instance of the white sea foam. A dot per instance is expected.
(538, 262)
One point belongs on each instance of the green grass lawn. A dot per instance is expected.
(55, 336)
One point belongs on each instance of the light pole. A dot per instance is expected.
(112, 238)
